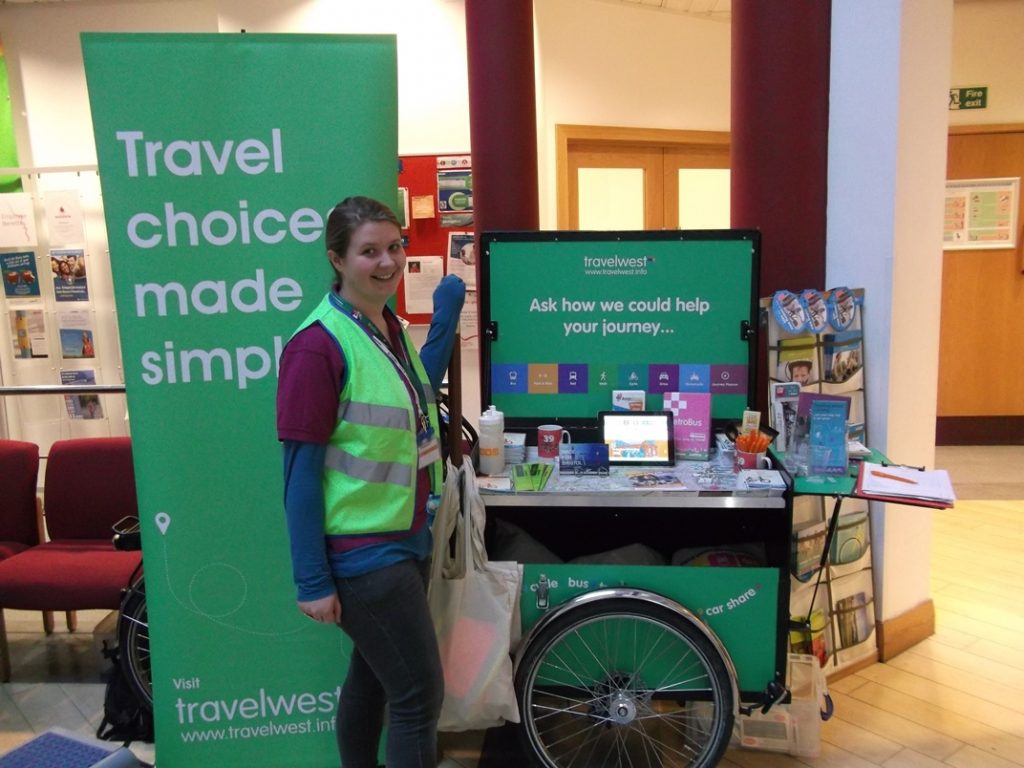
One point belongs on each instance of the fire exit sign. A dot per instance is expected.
(968, 98)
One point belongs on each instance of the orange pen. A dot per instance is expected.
(887, 476)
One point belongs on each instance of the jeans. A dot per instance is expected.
(395, 661)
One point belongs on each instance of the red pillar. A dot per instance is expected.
(502, 118)
(780, 82)
(780, 79)
(502, 114)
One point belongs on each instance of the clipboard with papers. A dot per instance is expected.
(905, 485)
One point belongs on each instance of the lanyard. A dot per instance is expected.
(404, 366)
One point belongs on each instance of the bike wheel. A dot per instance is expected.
(623, 682)
(133, 643)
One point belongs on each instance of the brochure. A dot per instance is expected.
(802, 430)
(808, 542)
(798, 360)
(76, 336)
(843, 355)
(69, 279)
(691, 420)
(827, 440)
(530, 477)
(655, 481)
(784, 401)
(628, 399)
(583, 459)
(28, 333)
(20, 276)
(86, 406)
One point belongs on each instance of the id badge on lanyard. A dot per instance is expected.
(429, 448)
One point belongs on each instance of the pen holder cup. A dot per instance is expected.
(748, 460)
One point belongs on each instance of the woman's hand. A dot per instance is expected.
(324, 610)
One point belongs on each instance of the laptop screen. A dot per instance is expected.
(638, 438)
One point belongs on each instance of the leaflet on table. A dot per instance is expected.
(661, 481)
(530, 477)
(583, 458)
(755, 479)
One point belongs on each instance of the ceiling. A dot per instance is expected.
(718, 10)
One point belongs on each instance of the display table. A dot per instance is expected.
(690, 513)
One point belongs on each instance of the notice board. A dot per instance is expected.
(570, 317)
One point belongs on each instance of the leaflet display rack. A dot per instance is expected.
(60, 355)
(839, 625)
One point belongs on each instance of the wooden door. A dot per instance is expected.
(981, 365)
(635, 173)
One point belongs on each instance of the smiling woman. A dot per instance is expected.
(357, 416)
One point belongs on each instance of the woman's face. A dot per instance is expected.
(372, 266)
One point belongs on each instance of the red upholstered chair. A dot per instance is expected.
(20, 513)
(89, 486)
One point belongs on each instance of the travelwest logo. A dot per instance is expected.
(615, 262)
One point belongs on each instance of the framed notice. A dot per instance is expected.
(981, 214)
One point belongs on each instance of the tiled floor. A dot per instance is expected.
(57, 680)
(951, 701)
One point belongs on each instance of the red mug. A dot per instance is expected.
(748, 460)
(549, 439)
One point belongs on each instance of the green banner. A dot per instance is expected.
(577, 316)
(220, 157)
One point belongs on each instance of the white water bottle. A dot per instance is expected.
(492, 441)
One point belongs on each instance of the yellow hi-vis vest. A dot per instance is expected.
(370, 468)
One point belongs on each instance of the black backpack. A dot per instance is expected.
(125, 717)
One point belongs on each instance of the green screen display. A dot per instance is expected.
(572, 317)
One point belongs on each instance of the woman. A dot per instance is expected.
(356, 413)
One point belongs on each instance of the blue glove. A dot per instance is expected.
(449, 297)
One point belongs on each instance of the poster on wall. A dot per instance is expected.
(422, 274)
(70, 282)
(84, 406)
(216, 189)
(21, 278)
(462, 258)
(17, 221)
(74, 327)
(64, 223)
(455, 191)
(28, 333)
(981, 214)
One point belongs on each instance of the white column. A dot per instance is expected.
(888, 124)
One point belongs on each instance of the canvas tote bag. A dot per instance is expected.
(475, 606)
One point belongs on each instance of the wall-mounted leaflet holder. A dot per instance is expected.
(585, 314)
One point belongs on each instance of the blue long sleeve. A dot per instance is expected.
(304, 509)
(449, 297)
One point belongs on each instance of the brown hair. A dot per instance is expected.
(348, 215)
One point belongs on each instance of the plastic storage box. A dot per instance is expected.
(794, 728)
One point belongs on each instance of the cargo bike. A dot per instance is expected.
(622, 664)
